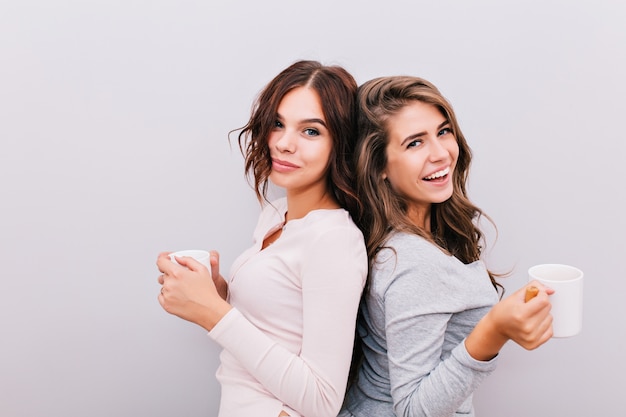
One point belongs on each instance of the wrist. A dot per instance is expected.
(209, 317)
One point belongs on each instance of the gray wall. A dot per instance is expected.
(114, 118)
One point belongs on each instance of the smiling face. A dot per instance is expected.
(300, 143)
(421, 157)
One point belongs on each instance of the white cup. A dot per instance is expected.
(201, 256)
(567, 300)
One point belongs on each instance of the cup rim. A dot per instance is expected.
(578, 271)
(193, 253)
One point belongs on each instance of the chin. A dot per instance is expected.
(443, 198)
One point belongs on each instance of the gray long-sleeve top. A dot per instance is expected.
(420, 306)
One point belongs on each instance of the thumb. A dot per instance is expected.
(542, 287)
(188, 262)
(215, 263)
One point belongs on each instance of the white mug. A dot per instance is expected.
(567, 300)
(202, 256)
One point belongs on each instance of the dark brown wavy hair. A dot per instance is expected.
(336, 89)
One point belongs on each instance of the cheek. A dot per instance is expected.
(411, 165)
(321, 154)
(271, 139)
(454, 151)
(398, 173)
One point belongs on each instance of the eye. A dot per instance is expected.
(414, 143)
(445, 131)
(278, 124)
(311, 132)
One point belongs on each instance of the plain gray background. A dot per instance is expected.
(114, 121)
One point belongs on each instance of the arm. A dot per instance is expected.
(422, 383)
(426, 302)
(529, 324)
(418, 304)
(313, 381)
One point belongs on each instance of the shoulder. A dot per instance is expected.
(333, 222)
(408, 248)
(333, 248)
(332, 232)
(406, 262)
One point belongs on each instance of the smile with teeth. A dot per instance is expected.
(438, 174)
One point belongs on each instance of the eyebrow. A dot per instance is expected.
(320, 121)
(420, 134)
(306, 121)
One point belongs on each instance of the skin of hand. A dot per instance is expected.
(529, 324)
(189, 292)
(218, 280)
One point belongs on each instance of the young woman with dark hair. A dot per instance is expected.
(285, 316)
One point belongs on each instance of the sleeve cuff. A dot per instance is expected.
(462, 355)
(242, 339)
(222, 326)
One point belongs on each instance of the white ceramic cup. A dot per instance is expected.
(567, 300)
(201, 256)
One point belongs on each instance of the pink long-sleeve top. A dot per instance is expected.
(287, 343)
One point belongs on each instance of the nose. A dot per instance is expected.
(285, 141)
(438, 151)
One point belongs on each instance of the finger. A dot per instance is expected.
(215, 263)
(189, 262)
(161, 260)
(549, 331)
(165, 264)
(531, 292)
(541, 287)
(162, 255)
(161, 299)
(545, 330)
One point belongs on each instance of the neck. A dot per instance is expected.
(420, 217)
(300, 204)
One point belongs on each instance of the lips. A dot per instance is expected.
(283, 166)
(438, 175)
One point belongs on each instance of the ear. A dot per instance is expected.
(384, 176)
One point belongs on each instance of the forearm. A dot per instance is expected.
(208, 317)
(285, 374)
(445, 390)
(485, 342)
(422, 383)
